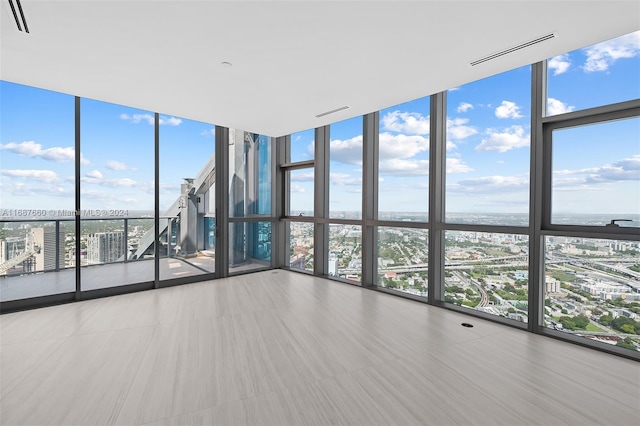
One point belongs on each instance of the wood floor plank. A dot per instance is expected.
(46, 323)
(18, 360)
(291, 349)
(84, 381)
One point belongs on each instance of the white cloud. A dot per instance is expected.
(627, 169)
(402, 146)
(508, 109)
(347, 151)
(21, 189)
(456, 165)
(211, 132)
(136, 118)
(115, 183)
(302, 177)
(46, 176)
(491, 184)
(118, 165)
(170, 121)
(464, 107)
(559, 64)
(555, 107)
(505, 140)
(457, 128)
(149, 118)
(343, 179)
(403, 168)
(412, 123)
(32, 149)
(297, 188)
(311, 149)
(95, 174)
(602, 55)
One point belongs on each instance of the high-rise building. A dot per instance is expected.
(43, 242)
(105, 247)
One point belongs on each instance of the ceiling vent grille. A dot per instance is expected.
(513, 49)
(18, 15)
(333, 111)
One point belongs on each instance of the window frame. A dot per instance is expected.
(604, 114)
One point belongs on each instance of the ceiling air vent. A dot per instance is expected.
(18, 15)
(513, 49)
(332, 111)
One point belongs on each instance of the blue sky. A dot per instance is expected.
(487, 146)
(488, 143)
(37, 151)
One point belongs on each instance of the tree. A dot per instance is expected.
(605, 320)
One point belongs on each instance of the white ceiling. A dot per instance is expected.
(291, 59)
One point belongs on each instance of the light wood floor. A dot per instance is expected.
(282, 348)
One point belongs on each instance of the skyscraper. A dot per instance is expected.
(43, 242)
(105, 247)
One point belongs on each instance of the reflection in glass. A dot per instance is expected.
(403, 259)
(301, 245)
(345, 252)
(592, 289)
(488, 272)
(249, 174)
(249, 245)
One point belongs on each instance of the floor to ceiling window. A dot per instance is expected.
(345, 199)
(116, 194)
(487, 185)
(187, 198)
(37, 207)
(300, 199)
(403, 197)
(249, 201)
(592, 206)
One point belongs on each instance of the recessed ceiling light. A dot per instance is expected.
(226, 64)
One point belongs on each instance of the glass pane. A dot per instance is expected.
(116, 188)
(592, 289)
(603, 182)
(301, 245)
(403, 184)
(403, 259)
(488, 134)
(488, 272)
(345, 252)
(249, 246)
(302, 146)
(35, 259)
(249, 174)
(597, 75)
(345, 182)
(187, 198)
(38, 192)
(301, 191)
